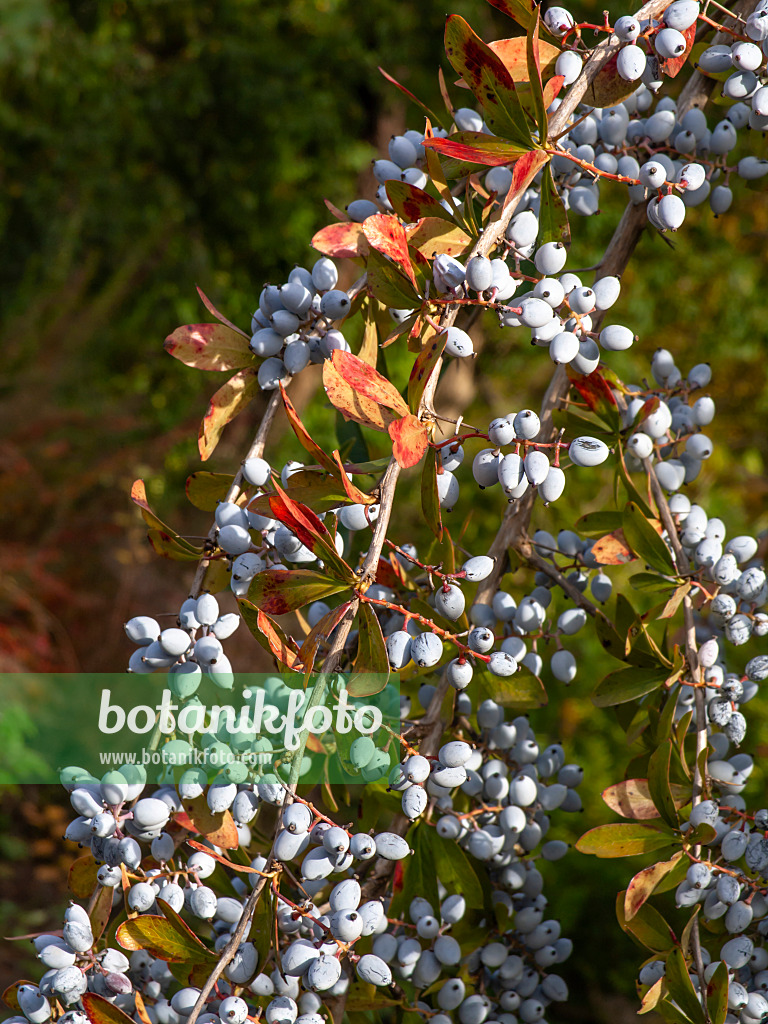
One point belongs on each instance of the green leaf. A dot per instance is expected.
(170, 545)
(280, 591)
(717, 995)
(553, 217)
(262, 925)
(650, 582)
(645, 541)
(627, 684)
(164, 940)
(101, 1011)
(205, 490)
(371, 669)
(489, 81)
(659, 785)
(671, 1014)
(625, 840)
(455, 870)
(681, 987)
(597, 524)
(430, 501)
(534, 76)
(521, 691)
(389, 284)
(648, 927)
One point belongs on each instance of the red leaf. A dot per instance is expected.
(343, 241)
(475, 148)
(409, 440)
(594, 389)
(674, 65)
(411, 203)
(301, 432)
(319, 632)
(356, 496)
(280, 591)
(523, 173)
(368, 382)
(386, 234)
(219, 316)
(209, 347)
(310, 530)
(415, 99)
(520, 11)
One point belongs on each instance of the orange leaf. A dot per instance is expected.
(301, 432)
(674, 65)
(274, 640)
(612, 549)
(218, 828)
(385, 234)
(344, 241)
(368, 382)
(644, 883)
(552, 88)
(82, 877)
(355, 495)
(351, 404)
(409, 440)
(513, 56)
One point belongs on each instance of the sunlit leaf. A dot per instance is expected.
(205, 490)
(648, 927)
(344, 240)
(386, 235)
(371, 667)
(632, 798)
(644, 884)
(431, 236)
(227, 403)
(409, 440)
(412, 203)
(159, 937)
(625, 840)
(209, 347)
(280, 591)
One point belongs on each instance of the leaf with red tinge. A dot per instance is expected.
(593, 388)
(356, 496)
(488, 79)
(620, 840)
(280, 591)
(609, 88)
(158, 527)
(432, 348)
(269, 634)
(415, 99)
(168, 545)
(310, 530)
(430, 500)
(371, 668)
(632, 799)
(344, 240)
(647, 926)
(523, 173)
(219, 316)
(209, 347)
(302, 434)
(672, 66)
(644, 884)
(219, 828)
(513, 54)
(368, 382)
(385, 234)
(412, 203)
(520, 11)
(100, 1011)
(612, 549)
(409, 440)
(320, 632)
(228, 402)
(476, 148)
(161, 937)
(552, 89)
(432, 237)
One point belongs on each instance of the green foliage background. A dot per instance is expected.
(150, 145)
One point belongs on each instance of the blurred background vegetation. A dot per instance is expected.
(150, 145)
